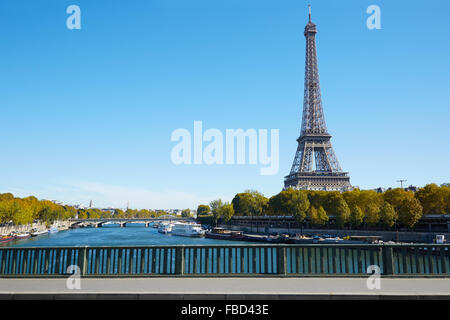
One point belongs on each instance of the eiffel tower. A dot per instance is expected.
(315, 164)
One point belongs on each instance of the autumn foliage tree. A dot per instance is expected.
(203, 210)
(290, 202)
(434, 199)
(409, 212)
(317, 216)
(249, 203)
(24, 211)
(221, 210)
(388, 216)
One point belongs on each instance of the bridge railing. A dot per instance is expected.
(226, 260)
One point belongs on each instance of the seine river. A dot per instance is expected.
(112, 235)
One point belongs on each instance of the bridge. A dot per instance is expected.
(124, 221)
(338, 271)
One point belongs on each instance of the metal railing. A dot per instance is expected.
(226, 260)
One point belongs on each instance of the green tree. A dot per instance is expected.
(131, 213)
(434, 199)
(143, 213)
(94, 213)
(16, 210)
(226, 211)
(186, 213)
(372, 214)
(50, 212)
(396, 196)
(356, 216)
(105, 214)
(215, 209)
(6, 196)
(6, 211)
(409, 212)
(317, 198)
(249, 203)
(221, 211)
(70, 212)
(337, 207)
(342, 213)
(82, 214)
(388, 216)
(119, 213)
(290, 202)
(317, 216)
(353, 198)
(370, 203)
(203, 210)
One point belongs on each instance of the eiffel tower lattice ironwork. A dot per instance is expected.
(315, 164)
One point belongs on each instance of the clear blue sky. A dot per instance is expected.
(88, 114)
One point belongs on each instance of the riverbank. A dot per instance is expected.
(38, 226)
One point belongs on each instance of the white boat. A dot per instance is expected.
(53, 230)
(22, 235)
(35, 233)
(165, 227)
(188, 230)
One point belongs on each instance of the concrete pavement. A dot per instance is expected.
(225, 288)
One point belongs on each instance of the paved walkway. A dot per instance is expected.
(225, 288)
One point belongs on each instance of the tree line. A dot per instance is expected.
(22, 211)
(351, 208)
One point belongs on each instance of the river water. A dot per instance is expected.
(112, 235)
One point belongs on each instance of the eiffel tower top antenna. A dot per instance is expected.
(309, 9)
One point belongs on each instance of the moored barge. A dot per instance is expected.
(224, 234)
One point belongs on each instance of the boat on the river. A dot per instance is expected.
(6, 238)
(328, 239)
(281, 238)
(35, 232)
(165, 227)
(53, 230)
(188, 230)
(301, 240)
(22, 235)
(363, 239)
(255, 238)
(224, 234)
(266, 238)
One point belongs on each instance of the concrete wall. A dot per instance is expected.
(402, 236)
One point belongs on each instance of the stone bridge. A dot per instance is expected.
(124, 221)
